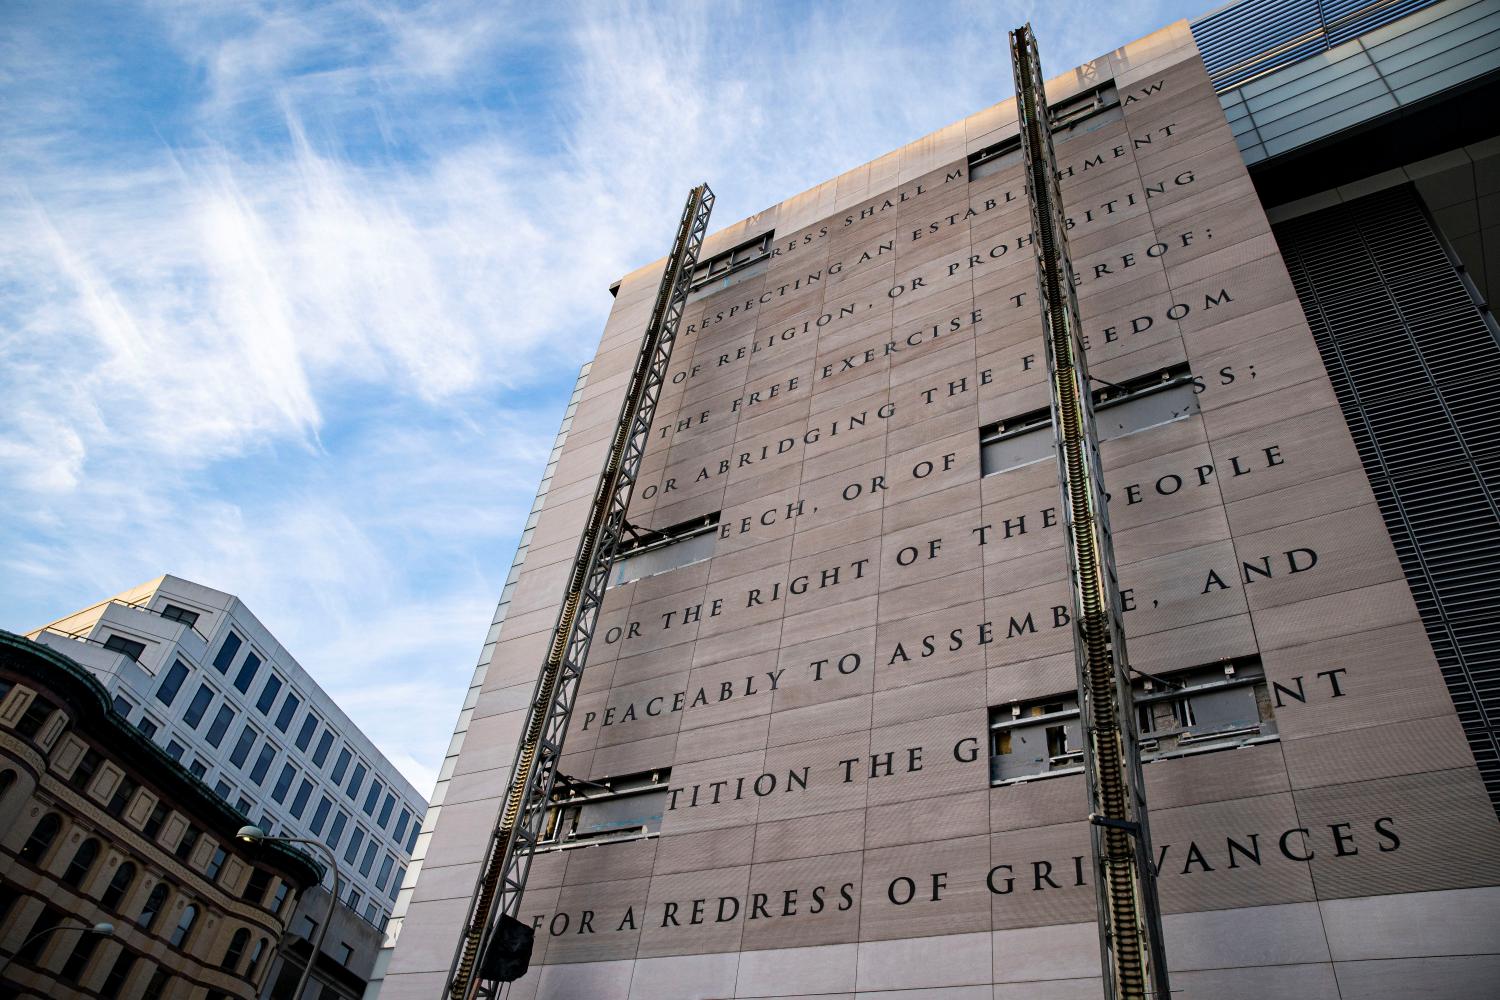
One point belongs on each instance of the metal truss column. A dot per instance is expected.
(1133, 958)
(507, 861)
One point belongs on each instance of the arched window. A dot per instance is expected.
(83, 861)
(7, 778)
(236, 950)
(118, 887)
(40, 841)
(184, 927)
(154, 904)
(255, 956)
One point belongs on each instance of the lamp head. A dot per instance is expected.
(103, 927)
(251, 834)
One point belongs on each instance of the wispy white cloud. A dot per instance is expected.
(292, 292)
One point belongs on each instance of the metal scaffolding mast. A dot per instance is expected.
(1130, 935)
(495, 946)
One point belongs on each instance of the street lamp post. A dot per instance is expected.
(102, 928)
(255, 835)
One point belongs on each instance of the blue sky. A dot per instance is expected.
(292, 294)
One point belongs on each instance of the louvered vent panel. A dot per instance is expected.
(1417, 371)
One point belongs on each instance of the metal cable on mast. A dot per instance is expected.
(1130, 935)
(495, 946)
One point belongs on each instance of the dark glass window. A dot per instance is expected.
(356, 780)
(118, 973)
(320, 815)
(235, 953)
(173, 613)
(284, 783)
(305, 734)
(7, 778)
(278, 897)
(175, 750)
(83, 862)
(130, 647)
(411, 840)
(263, 763)
(246, 675)
(243, 746)
(220, 726)
(123, 706)
(84, 773)
(386, 864)
(337, 830)
(260, 949)
(299, 801)
(154, 904)
(188, 842)
(268, 694)
(288, 709)
(325, 743)
(341, 765)
(215, 863)
(184, 928)
(255, 888)
(78, 958)
(155, 820)
(356, 840)
(37, 938)
(368, 861)
(35, 849)
(198, 769)
(227, 652)
(396, 883)
(243, 805)
(202, 698)
(166, 691)
(120, 800)
(385, 809)
(158, 984)
(222, 789)
(401, 824)
(373, 797)
(35, 716)
(147, 727)
(118, 886)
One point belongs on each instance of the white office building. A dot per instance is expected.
(193, 669)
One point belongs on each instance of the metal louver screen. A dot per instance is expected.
(1417, 370)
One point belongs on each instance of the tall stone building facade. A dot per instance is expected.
(827, 740)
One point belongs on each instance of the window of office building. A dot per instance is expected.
(401, 824)
(325, 743)
(174, 613)
(320, 815)
(299, 801)
(243, 746)
(356, 780)
(129, 647)
(226, 653)
(368, 861)
(175, 750)
(263, 763)
(356, 840)
(147, 726)
(220, 726)
(386, 864)
(202, 698)
(248, 670)
(305, 734)
(268, 694)
(373, 798)
(123, 706)
(198, 769)
(284, 783)
(166, 691)
(340, 765)
(336, 831)
(288, 709)
(385, 809)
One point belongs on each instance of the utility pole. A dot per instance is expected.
(496, 945)
(1130, 934)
